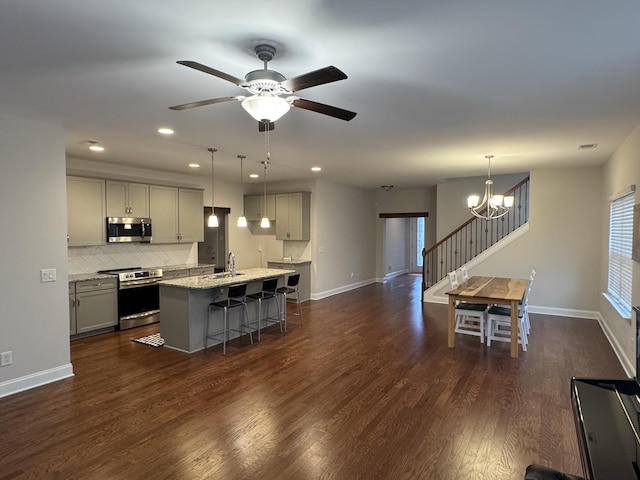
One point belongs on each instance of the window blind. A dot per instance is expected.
(620, 245)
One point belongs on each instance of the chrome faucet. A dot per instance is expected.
(231, 261)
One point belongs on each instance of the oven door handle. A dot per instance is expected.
(137, 283)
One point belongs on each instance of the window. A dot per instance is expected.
(620, 245)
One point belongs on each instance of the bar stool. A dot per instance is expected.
(236, 297)
(292, 287)
(267, 293)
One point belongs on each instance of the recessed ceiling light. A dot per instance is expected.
(587, 146)
(316, 169)
(165, 131)
(96, 148)
(194, 165)
(254, 175)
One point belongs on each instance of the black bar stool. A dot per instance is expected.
(236, 297)
(292, 287)
(267, 293)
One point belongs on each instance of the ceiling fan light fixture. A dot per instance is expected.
(265, 107)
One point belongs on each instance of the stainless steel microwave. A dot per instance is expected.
(128, 229)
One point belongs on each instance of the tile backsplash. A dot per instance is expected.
(125, 255)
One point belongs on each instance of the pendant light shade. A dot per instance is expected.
(242, 220)
(213, 218)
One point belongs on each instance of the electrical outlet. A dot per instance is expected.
(48, 275)
(6, 358)
(352, 274)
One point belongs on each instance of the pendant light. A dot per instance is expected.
(265, 223)
(242, 220)
(213, 218)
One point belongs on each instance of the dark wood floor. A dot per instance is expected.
(366, 388)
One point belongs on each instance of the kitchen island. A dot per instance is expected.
(184, 304)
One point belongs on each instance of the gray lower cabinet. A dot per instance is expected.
(304, 269)
(72, 308)
(94, 305)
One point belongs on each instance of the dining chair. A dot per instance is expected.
(499, 322)
(463, 273)
(471, 318)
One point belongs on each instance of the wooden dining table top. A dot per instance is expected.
(491, 288)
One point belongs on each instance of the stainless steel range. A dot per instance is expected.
(138, 296)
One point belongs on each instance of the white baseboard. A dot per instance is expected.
(344, 288)
(38, 379)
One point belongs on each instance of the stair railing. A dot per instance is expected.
(473, 237)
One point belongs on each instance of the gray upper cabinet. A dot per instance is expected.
(86, 212)
(293, 216)
(177, 214)
(127, 199)
(254, 207)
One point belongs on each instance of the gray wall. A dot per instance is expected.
(622, 170)
(34, 321)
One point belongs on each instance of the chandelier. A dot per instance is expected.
(492, 206)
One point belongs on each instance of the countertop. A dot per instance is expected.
(80, 277)
(203, 282)
(292, 261)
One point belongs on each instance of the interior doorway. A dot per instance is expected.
(213, 250)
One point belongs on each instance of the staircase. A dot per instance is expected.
(473, 237)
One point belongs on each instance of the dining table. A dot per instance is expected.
(492, 291)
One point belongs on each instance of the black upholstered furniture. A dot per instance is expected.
(538, 472)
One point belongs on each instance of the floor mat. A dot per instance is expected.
(154, 340)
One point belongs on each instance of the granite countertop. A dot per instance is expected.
(80, 277)
(216, 280)
(292, 261)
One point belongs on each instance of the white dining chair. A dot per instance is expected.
(463, 273)
(471, 318)
(499, 322)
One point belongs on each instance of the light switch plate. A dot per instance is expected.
(48, 275)
(6, 359)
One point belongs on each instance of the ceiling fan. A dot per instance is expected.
(267, 87)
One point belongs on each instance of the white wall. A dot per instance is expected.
(563, 243)
(402, 201)
(343, 219)
(396, 246)
(622, 170)
(34, 320)
(452, 198)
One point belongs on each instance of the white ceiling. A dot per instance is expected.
(437, 84)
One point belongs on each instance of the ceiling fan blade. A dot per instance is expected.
(311, 79)
(264, 126)
(324, 109)
(212, 71)
(202, 103)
